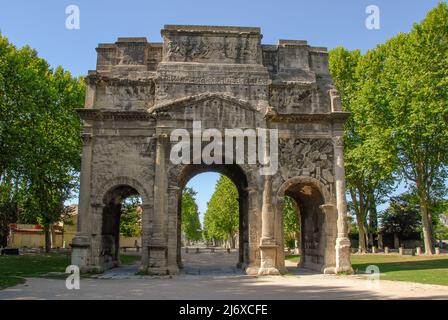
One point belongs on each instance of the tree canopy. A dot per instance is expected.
(191, 226)
(291, 222)
(131, 217)
(39, 136)
(398, 96)
(221, 220)
(402, 216)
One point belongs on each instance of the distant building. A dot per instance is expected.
(32, 235)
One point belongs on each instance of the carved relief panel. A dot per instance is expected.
(222, 45)
(295, 98)
(124, 94)
(307, 157)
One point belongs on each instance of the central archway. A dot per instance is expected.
(239, 179)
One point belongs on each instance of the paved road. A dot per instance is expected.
(215, 277)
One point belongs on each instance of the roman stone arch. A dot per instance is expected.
(222, 78)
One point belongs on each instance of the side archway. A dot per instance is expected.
(112, 183)
(318, 215)
(107, 211)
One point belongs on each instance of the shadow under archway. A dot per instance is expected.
(110, 223)
(317, 222)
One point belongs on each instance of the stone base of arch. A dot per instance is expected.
(268, 260)
(81, 251)
(343, 264)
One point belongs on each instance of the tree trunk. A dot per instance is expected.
(373, 219)
(427, 228)
(361, 235)
(380, 241)
(47, 232)
(371, 244)
(360, 211)
(232, 242)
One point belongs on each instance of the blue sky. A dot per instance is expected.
(329, 23)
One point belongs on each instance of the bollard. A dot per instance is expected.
(386, 250)
(197, 250)
(228, 250)
(437, 251)
(418, 251)
(373, 249)
(400, 250)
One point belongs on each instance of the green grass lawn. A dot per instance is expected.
(421, 269)
(13, 269)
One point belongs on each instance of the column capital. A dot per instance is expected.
(161, 135)
(338, 141)
(86, 138)
(328, 206)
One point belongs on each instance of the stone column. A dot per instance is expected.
(84, 195)
(268, 245)
(146, 226)
(253, 249)
(157, 243)
(171, 222)
(331, 215)
(160, 189)
(81, 242)
(343, 263)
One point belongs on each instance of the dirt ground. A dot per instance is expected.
(214, 276)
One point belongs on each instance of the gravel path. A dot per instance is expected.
(213, 276)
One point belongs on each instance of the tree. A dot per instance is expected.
(39, 134)
(191, 226)
(131, 217)
(221, 220)
(398, 96)
(402, 217)
(291, 222)
(439, 210)
(8, 209)
(368, 159)
(416, 80)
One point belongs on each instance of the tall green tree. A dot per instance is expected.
(291, 222)
(416, 78)
(191, 226)
(39, 133)
(131, 217)
(398, 96)
(369, 161)
(221, 220)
